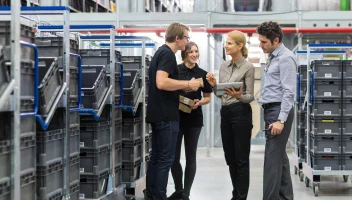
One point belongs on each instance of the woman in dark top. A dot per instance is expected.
(190, 123)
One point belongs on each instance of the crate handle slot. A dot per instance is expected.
(328, 101)
(328, 138)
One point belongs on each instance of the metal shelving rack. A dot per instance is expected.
(297, 160)
(138, 186)
(312, 175)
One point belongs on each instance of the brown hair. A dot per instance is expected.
(175, 29)
(239, 38)
(188, 48)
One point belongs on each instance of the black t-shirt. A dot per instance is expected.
(195, 118)
(162, 105)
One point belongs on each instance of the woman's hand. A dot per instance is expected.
(211, 79)
(232, 92)
(197, 103)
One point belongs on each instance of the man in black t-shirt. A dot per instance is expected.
(162, 108)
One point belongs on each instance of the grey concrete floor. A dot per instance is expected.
(212, 181)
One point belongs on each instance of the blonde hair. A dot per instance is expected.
(175, 29)
(239, 38)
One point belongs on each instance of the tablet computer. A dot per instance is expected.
(220, 87)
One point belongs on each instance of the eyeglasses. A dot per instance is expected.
(188, 38)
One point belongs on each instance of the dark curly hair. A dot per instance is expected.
(270, 30)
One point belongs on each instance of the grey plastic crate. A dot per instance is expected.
(327, 69)
(118, 130)
(325, 144)
(74, 139)
(118, 175)
(100, 57)
(347, 127)
(347, 69)
(53, 47)
(50, 180)
(327, 89)
(94, 86)
(347, 89)
(93, 186)
(5, 159)
(347, 144)
(132, 86)
(131, 150)
(49, 146)
(327, 108)
(49, 83)
(118, 153)
(131, 171)
(27, 33)
(74, 190)
(95, 135)
(327, 162)
(94, 161)
(27, 82)
(74, 168)
(347, 161)
(57, 122)
(347, 108)
(326, 127)
(134, 62)
(131, 128)
(73, 86)
(302, 69)
(27, 183)
(28, 151)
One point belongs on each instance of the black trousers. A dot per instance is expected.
(191, 136)
(277, 178)
(236, 132)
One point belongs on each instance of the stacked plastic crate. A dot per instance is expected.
(347, 114)
(302, 111)
(132, 125)
(27, 124)
(50, 142)
(96, 144)
(326, 142)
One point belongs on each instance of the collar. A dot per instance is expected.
(194, 69)
(277, 50)
(237, 63)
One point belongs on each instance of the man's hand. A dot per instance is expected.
(276, 128)
(197, 102)
(211, 79)
(193, 84)
(232, 92)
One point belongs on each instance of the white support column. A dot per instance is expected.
(16, 75)
(141, 6)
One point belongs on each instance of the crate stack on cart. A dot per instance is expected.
(50, 141)
(132, 124)
(97, 142)
(330, 144)
(27, 123)
(302, 111)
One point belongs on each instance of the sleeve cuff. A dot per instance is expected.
(283, 116)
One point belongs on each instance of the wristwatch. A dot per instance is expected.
(282, 121)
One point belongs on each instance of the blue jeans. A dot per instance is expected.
(164, 138)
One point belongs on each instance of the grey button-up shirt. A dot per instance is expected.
(241, 71)
(280, 76)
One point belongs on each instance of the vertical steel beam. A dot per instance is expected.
(15, 125)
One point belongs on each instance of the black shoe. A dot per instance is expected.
(175, 196)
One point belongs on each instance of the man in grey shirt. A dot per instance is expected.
(277, 99)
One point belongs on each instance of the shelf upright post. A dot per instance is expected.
(15, 125)
(111, 181)
(309, 70)
(66, 99)
(143, 108)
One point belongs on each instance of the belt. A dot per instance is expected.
(269, 105)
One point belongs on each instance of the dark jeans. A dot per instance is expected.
(163, 155)
(191, 135)
(236, 132)
(277, 178)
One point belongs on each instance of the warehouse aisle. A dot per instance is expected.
(213, 182)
